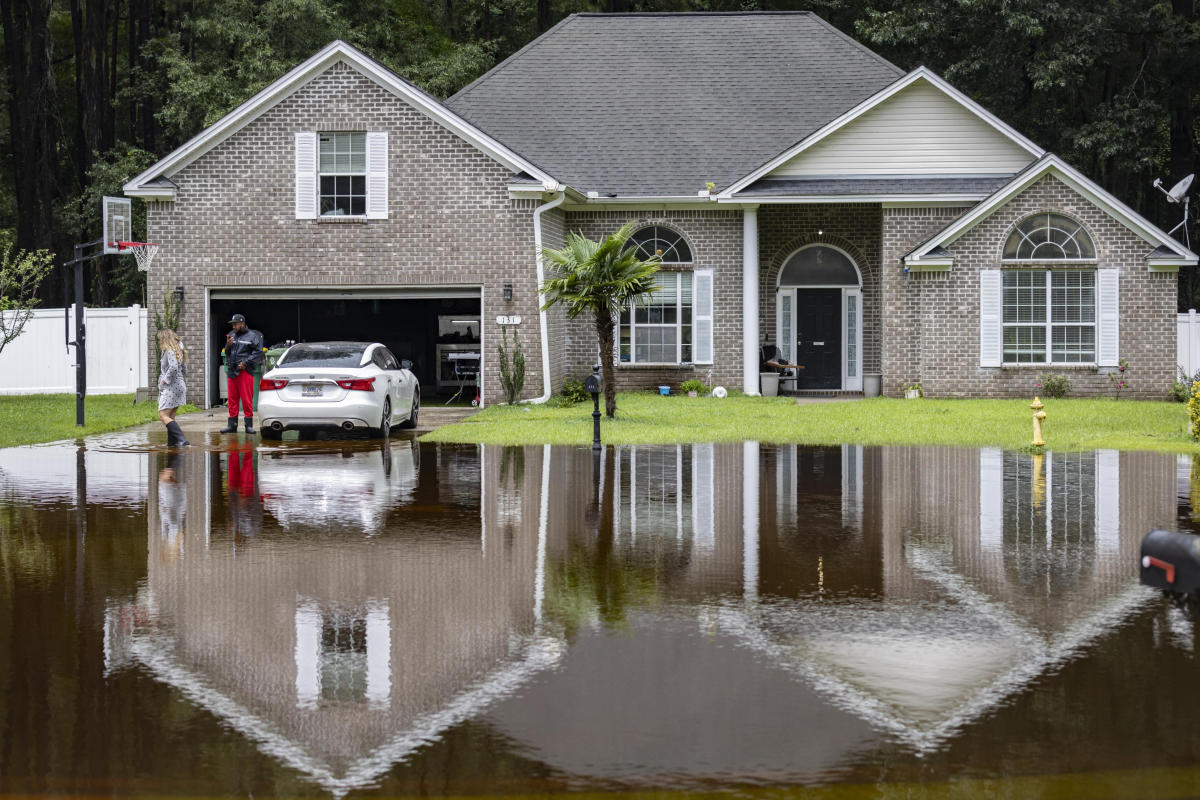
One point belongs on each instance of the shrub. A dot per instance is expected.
(559, 401)
(1194, 412)
(1181, 389)
(573, 392)
(1054, 386)
(693, 385)
(512, 369)
(1117, 379)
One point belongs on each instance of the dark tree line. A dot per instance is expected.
(97, 90)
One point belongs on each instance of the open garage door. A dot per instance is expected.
(436, 328)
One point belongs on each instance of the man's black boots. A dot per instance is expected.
(249, 425)
(230, 427)
(175, 437)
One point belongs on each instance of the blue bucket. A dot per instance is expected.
(664, 390)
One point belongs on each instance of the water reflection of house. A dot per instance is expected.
(902, 590)
(338, 650)
(914, 589)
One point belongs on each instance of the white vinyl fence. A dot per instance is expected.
(39, 362)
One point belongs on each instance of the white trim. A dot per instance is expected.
(1052, 164)
(750, 279)
(920, 73)
(272, 95)
(902, 200)
(852, 382)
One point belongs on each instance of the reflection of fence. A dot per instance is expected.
(39, 362)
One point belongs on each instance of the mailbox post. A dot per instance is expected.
(592, 385)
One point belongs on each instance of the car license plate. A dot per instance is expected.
(311, 390)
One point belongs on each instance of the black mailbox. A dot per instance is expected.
(592, 383)
(1171, 562)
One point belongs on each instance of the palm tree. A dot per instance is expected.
(602, 278)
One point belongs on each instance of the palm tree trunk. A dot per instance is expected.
(604, 332)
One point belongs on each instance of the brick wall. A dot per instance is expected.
(450, 219)
(715, 238)
(933, 319)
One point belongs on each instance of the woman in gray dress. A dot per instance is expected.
(172, 392)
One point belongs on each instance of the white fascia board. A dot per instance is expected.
(155, 193)
(887, 199)
(920, 73)
(1052, 164)
(275, 93)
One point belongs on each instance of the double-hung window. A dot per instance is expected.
(343, 174)
(1049, 313)
(658, 330)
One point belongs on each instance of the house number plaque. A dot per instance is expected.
(514, 320)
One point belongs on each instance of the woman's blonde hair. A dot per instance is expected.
(168, 340)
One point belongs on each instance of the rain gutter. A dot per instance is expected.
(541, 279)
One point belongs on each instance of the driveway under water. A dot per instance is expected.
(326, 618)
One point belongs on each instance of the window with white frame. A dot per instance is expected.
(1049, 316)
(658, 329)
(1048, 236)
(342, 167)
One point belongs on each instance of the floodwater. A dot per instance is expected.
(351, 618)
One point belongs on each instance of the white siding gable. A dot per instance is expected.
(919, 131)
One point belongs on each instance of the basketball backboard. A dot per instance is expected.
(118, 222)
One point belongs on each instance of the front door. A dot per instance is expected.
(819, 338)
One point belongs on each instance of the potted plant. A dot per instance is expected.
(913, 391)
(693, 387)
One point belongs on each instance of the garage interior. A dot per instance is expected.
(438, 332)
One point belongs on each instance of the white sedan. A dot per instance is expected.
(338, 386)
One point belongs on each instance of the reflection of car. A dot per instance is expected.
(338, 385)
(349, 488)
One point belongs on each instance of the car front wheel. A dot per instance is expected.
(385, 421)
(411, 422)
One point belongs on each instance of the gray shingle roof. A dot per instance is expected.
(660, 104)
(980, 185)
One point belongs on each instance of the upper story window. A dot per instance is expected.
(655, 240)
(343, 174)
(1049, 237)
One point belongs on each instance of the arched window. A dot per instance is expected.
(1049, 237)
(663, 242)
(818, 266)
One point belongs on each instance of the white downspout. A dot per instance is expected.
(541, 279)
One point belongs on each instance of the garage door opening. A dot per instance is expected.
(440, 335)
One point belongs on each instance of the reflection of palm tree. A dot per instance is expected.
(593, 581)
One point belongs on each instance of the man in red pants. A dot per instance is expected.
(243, 354)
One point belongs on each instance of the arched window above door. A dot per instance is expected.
(818, 265)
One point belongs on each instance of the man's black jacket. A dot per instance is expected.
(243, 347)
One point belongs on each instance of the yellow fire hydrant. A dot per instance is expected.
(1038, 416)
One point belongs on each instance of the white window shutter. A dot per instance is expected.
(991, 499)
(991, 332)
(377, 175)
(1108, 315)
(702, 317)
(306, 175)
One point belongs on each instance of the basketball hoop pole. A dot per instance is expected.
(80, 329)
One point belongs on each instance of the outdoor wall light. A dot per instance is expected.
(178, 294)
(508, 291)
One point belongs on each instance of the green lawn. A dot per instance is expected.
(35, 418)
(645, 418)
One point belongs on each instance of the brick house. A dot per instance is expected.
(879, 228)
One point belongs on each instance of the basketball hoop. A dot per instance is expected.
(144, 252)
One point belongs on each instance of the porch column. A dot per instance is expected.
(750, 300)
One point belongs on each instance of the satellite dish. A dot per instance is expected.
(1180, 189)
(1178, 194)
